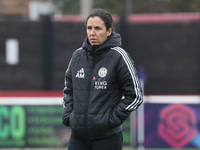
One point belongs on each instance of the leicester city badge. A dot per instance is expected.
(102, 72)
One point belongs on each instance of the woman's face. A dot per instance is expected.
(96, 31)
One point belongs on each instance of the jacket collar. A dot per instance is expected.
(113, 40)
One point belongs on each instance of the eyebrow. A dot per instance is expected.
(94, 26)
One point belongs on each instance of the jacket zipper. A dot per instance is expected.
(90, 90)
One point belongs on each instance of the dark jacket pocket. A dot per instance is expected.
(65, 117)
(114, 120)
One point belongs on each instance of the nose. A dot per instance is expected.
(92, 32)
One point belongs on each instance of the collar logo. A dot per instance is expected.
(102, 72)
(80, 73)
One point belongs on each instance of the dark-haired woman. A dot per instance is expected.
(101, 88)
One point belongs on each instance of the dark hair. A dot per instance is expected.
(104, 15)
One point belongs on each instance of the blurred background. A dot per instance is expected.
(38, 37)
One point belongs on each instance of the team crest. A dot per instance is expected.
(102, 72)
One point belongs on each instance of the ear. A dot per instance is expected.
(109, 31)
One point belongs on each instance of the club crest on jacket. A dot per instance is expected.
(102, 72)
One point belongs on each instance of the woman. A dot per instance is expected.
(101, 88)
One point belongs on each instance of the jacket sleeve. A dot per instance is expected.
(68, 96)
(132, 91)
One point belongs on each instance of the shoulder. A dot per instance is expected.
(119, 51)
(78, 52)
(121, 56)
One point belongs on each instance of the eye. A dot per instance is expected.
(97, 28)
(89, 27)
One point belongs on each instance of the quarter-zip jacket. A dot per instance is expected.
(101, 89)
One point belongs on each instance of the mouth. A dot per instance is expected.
(93, 41)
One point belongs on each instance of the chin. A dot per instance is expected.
(94, 44)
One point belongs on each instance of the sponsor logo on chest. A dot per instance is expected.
(100, 85)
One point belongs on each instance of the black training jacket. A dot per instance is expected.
(101, 89)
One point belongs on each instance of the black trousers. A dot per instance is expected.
(114, 142)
